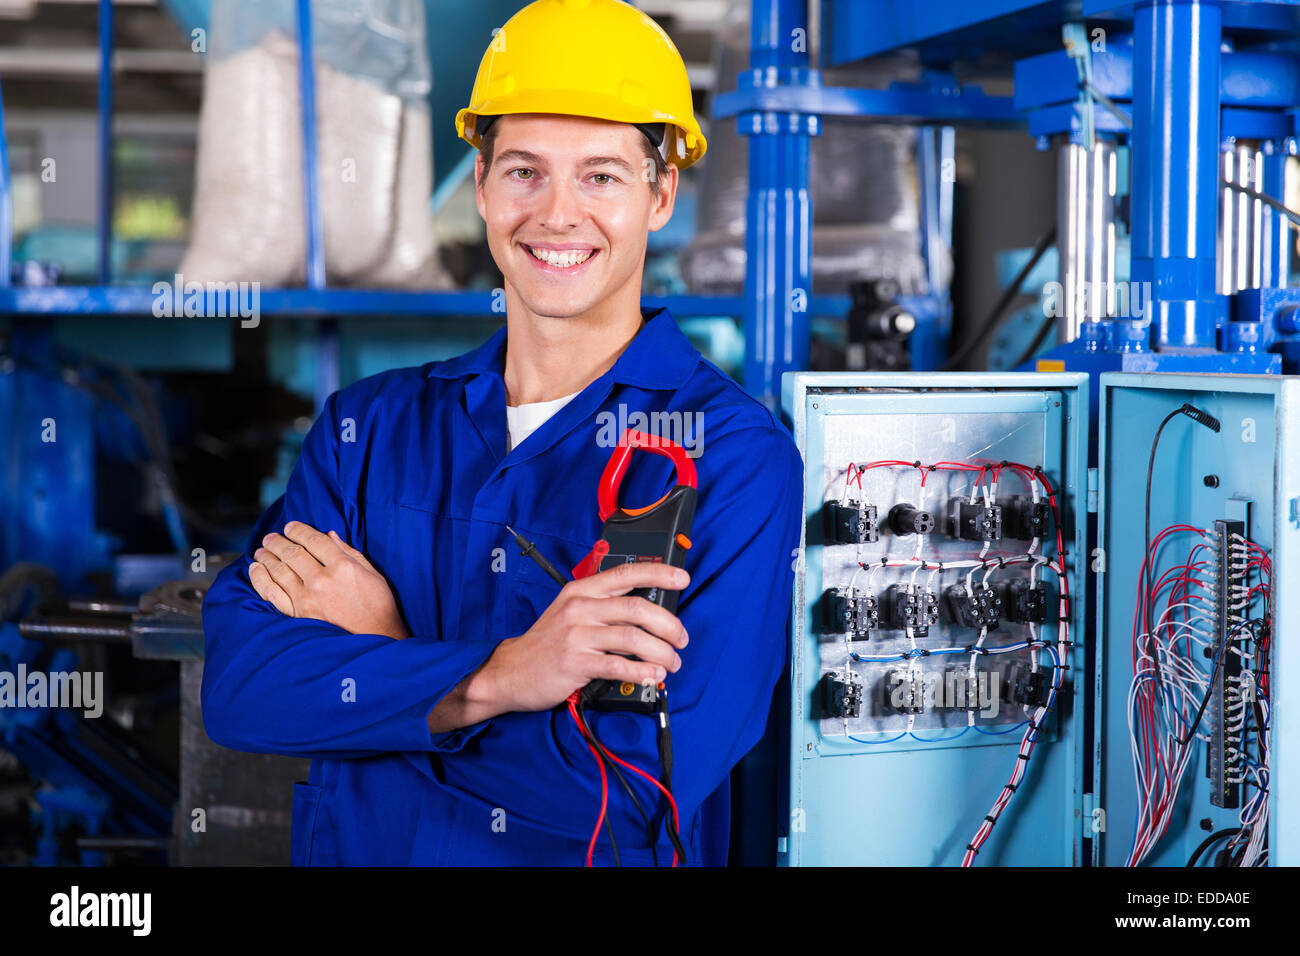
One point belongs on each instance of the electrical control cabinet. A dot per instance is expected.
(938, 591)
(971, 648)
(1224, 523)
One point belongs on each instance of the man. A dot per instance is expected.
(386, 626)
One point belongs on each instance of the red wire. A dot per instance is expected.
(662, 789)
(604, 781)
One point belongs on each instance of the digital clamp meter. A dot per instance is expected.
(658, 532)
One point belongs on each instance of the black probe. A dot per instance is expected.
(530, 550)
(665, 738)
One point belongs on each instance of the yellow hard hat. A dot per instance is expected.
(598, 58)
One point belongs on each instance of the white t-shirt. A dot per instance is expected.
(523, 420)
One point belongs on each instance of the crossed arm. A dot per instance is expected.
(581, 636)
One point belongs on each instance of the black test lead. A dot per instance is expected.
(530, 550)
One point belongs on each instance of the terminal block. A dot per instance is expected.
(974, 522)
(981, 608)
(851, 523)
(964, 691)
(1029, 687)
(850, 611)
(1024, 519)
(841, 696)
(1026, 603)
(905, 519)
(912, 606)
(1224, 749)
(902, 692)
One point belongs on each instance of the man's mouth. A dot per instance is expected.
(561, 258)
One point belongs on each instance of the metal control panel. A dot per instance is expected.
(936, 619)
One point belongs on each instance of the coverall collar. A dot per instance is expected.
(658, 357)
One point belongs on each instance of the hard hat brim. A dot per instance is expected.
(595, 106)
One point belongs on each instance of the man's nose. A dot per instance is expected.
(561, 206)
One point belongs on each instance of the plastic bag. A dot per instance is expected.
(374, 149)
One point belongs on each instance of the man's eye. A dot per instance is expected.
(521, 173)
(602, 179)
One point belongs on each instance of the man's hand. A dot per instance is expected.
(308, 574)
(577, 639)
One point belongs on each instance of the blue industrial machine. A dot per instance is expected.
(938, 703)
(1202, 96)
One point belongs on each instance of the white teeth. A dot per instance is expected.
(562, 260)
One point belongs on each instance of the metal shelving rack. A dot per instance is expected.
(779, 104)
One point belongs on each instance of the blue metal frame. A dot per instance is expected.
(778, 213)
(6, 205)
(104, 194)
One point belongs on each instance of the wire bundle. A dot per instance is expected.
(987, 482)
(1171, 687)
(607, 760)
(1059, 655)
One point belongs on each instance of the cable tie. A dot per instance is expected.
(971, 848)
(992, 820)
(1002, 562)
(1011, 786)
(1022, 757)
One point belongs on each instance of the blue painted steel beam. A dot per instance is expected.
(105, 131)
(1175, 200)
(944, 30)
(907, 102)
(6, 204)
(1255, 124)
(778, 212)
(1064, 118)
(1253, 80)
(311, 186)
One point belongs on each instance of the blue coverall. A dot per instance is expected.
(410, 467)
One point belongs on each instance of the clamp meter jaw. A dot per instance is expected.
(659, 532)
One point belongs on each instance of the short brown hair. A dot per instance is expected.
(488, 143)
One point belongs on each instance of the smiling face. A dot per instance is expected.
(567, 202)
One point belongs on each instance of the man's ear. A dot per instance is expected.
(663, 208)
(478, 186)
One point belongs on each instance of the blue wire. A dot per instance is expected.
(998, 733)
(889, 741)
(935, 740)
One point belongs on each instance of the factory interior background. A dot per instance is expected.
(1005, 251)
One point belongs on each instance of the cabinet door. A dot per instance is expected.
(1195, 658)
